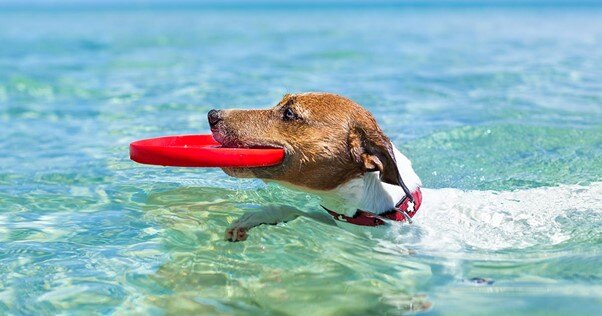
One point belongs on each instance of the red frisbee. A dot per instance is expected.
(200, 151)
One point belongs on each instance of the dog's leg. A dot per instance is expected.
(270, 214)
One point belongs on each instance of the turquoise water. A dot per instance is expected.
(504, 105)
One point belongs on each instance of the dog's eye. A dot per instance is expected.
(289, 115)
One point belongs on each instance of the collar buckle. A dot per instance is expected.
(406, 213)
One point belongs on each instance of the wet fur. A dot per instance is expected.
(334, 148)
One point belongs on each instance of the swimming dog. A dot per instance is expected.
(334, 149)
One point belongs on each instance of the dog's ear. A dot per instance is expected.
(372, 150)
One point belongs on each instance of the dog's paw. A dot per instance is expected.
(239, 229)
(236, 234)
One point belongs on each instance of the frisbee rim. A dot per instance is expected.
(201, 151)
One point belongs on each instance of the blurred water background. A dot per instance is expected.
(502, 102)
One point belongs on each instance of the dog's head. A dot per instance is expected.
(328, 140)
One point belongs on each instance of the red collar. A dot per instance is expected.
(363, 218)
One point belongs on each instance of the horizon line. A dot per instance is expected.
(296, 4)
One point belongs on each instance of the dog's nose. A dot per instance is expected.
(214, 116)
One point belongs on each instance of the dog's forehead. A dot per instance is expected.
(316, 102)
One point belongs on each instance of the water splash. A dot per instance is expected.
(453, 220)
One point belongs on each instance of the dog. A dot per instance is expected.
(334, 149)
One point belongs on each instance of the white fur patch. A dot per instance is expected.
(368, 193)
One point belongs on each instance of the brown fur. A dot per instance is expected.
(330, 141)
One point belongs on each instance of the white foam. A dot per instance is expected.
(452, 219)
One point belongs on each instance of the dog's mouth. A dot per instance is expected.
(234, 142)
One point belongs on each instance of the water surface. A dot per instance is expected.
(504, 105)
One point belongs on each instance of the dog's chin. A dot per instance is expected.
(264, 173)
(239, 172)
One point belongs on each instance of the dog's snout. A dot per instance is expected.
(214, 116)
